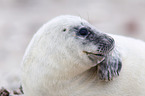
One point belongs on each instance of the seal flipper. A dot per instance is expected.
(110, 67)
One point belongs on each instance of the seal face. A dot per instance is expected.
(104, 42)
(88, 36)
(98, 46)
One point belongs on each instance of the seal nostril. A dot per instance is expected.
(111, 40)
(106, 44)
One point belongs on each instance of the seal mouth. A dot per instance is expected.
(97, 54)
(95, 57)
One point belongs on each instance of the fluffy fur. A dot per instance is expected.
(54, 64)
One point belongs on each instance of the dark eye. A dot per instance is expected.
(83, 31)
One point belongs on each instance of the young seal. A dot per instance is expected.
(69, 57)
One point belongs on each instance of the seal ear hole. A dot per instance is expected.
(64, 30)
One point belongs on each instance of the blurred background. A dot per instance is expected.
(20, 19)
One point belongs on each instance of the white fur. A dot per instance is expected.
(50, 70)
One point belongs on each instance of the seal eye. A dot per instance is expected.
(64, 29)
(83, 32)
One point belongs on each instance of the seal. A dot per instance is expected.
(70, 57)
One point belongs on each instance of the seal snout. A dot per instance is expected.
(110, 43)
(106, 44)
